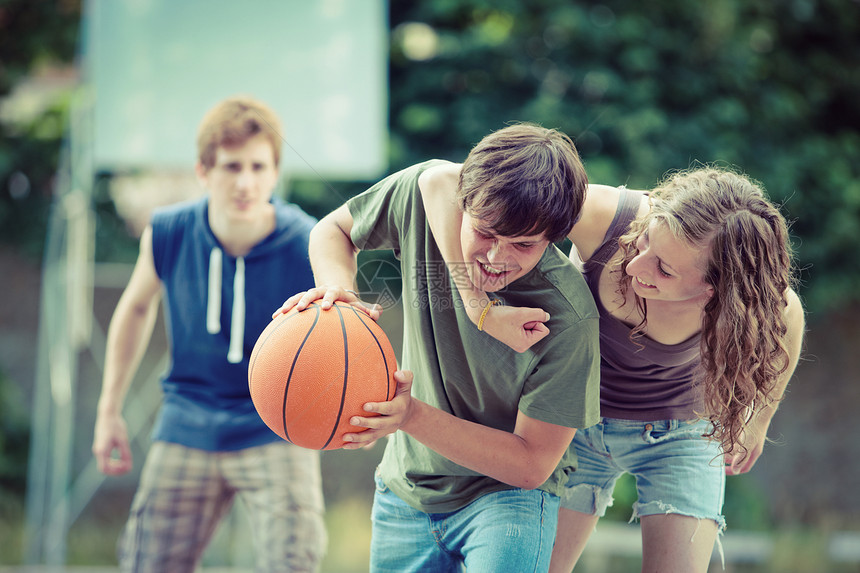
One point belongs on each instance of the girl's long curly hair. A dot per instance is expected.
(750, 269)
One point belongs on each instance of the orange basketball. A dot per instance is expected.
(311, 371)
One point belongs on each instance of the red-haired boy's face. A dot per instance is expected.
(242, 180)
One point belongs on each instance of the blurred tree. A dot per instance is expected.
(34, 35)
(645, 88)
(14, 440)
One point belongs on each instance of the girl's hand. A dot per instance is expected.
(392, 415)
(740, 460)
(516, 326)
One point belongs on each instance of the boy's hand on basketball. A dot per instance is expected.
(111, 447)
(327, 297)
(518, 327)
(391, 415)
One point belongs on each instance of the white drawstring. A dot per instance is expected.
(213, 308)
(237, 322)
(235, 351)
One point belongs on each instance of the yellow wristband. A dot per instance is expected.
(484, 313)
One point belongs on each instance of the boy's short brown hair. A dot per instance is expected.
(524, 180)
(234, 121)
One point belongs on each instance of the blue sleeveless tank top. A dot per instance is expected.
(215, 308)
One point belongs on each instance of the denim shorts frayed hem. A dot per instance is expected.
(677, 470)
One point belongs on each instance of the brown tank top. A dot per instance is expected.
(640, 379)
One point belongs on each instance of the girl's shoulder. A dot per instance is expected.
(601, 204)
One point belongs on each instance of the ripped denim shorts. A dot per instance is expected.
(677, 471)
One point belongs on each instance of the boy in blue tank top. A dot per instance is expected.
(221, 263)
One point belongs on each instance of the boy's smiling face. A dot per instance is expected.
(492, 261)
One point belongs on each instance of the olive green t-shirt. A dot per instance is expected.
(464, 371)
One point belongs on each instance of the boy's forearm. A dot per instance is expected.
(332, 255)
(504, 456)
(128, 336)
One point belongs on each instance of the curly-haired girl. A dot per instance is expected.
(700, 332)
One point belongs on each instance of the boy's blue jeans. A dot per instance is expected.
(507, 531)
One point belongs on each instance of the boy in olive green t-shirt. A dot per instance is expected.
(485, 425)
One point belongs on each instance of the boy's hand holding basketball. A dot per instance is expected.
(328, 294)
(391, 415)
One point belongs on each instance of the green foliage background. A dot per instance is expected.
(32, 35)
(645, 87)
(770, 86)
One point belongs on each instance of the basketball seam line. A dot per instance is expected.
(381, 351)
(345, 376)
(292, 367)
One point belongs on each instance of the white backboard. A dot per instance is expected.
(156, 66)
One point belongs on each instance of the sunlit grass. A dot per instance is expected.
(348, 525)
(92, 543)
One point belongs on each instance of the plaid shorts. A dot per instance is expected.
(184, 493)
